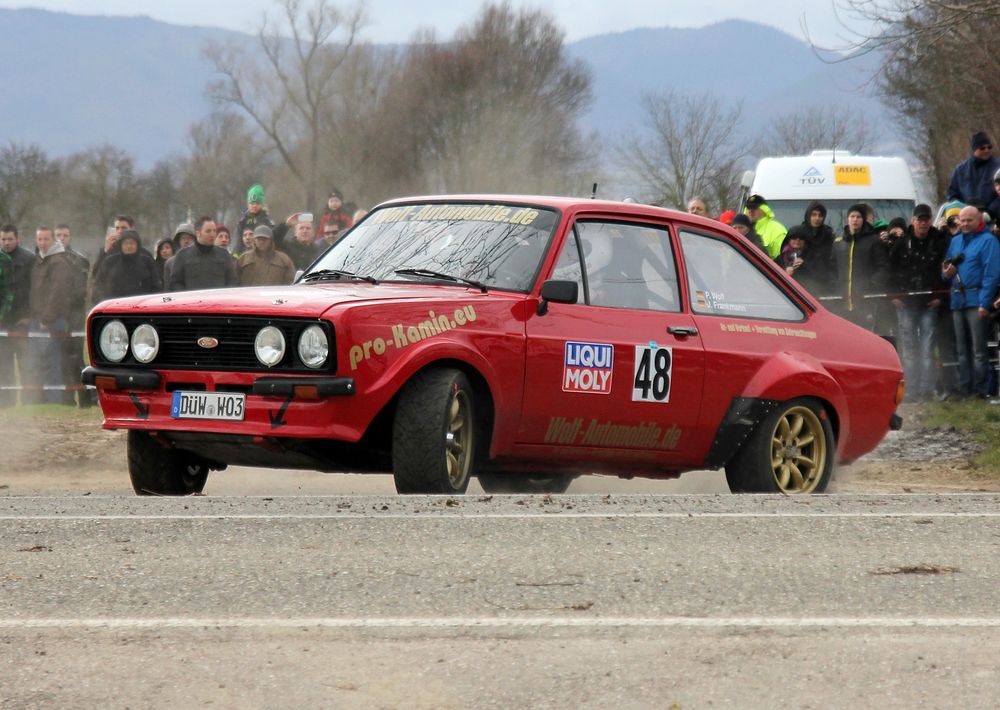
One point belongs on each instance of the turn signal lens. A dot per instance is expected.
(899, 391)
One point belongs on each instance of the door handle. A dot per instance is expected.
(682, 330)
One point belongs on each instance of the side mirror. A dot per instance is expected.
(557, 292)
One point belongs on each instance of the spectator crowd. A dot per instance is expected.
(931, 287)
(47, 286)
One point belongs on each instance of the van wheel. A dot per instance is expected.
(434, 433)
(791, 451)
(159, 471)
(517, 482)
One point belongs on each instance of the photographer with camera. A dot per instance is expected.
(972, 267)
(914, 260)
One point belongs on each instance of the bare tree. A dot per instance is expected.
(690, 148)
(103, 183)
(224, 158)
(816, 128)
(161, 195)
(939, 72)
(26, 177)
(285, 85)
(496, 108)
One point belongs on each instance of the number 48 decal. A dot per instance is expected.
(653, 367)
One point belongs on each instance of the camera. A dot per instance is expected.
(955, 260)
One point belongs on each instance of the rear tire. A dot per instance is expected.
(434, 433)
(159, 471)
(791, 451)
(516, 482)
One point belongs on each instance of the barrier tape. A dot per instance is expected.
(41, 334)
(54, 388)
(885, 295)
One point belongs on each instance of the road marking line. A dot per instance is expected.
(502, 623)
(458, 515)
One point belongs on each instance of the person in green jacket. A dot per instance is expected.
(771, 231)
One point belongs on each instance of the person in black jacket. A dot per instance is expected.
(202, 265)
(128, 272)
(819, 240)
(862, 265)
(915, 277)
(13, 349)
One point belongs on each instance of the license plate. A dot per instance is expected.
(229, 406)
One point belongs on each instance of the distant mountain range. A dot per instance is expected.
(70, 81)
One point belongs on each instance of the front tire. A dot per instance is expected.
(434, 433)
(159, 471)
(791, 451)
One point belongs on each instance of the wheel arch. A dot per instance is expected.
(379, 432)
(783, 377)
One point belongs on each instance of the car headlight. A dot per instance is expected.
(145, 343)
(314, 346)
(269, 346)
(113, 341)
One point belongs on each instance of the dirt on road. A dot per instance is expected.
(69, 453)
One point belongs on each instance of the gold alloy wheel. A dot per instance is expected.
(458, 439)
(798, 451)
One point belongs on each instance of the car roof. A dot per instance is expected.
(566, 204)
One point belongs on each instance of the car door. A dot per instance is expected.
(743, 313)
(621, 370)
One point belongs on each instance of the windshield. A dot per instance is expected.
(498, 246)
(790, 212)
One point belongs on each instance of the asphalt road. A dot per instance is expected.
(634, 601)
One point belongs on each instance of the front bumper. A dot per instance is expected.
(293, 406)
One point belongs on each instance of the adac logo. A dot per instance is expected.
(812, 176)
(588, 367)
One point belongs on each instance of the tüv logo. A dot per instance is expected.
(812, 176)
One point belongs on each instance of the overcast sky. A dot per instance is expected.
(395, 20)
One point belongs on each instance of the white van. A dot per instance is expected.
(838, 179)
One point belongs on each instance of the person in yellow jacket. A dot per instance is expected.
(771, 231)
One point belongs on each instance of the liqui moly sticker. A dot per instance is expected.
(588, 367)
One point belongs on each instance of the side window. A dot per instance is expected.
(724, 282)
(629, 266)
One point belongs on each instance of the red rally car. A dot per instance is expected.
(523, 340)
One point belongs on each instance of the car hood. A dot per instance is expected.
(302, 300)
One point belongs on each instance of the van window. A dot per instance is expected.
(790, 212)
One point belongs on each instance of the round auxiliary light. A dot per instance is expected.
(269, 346)
(113, 341)
(314, 347)
(145, 343)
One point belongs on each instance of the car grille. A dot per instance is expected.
(179, 349)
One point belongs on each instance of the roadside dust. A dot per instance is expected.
(67, 455)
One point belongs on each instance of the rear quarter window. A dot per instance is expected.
(723, 281)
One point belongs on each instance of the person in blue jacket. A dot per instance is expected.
(972, 179)
(972, 267)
